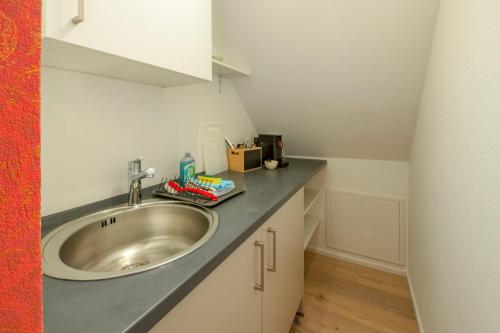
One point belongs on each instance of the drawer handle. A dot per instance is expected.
(260, 286)
(81, 13)
(273, 267)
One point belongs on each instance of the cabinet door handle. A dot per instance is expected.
(273, 267)
(260, 286)
(81, 13)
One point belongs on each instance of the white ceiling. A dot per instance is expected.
(339, 78)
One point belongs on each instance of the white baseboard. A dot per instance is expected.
(375, 264)
(415, 304)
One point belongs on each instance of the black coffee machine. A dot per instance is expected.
(272, 148)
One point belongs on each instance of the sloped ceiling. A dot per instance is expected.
(339, 78)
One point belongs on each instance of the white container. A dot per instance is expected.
(271, 164)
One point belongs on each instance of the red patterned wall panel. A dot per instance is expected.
(20, 268)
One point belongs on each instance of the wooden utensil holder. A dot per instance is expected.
(244, 159)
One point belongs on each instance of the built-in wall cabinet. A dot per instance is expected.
(257, 289)
(367, 225)
(162, 43)
(365, 228)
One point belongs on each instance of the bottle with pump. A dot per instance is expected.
(187, 169)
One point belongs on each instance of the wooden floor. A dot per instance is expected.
(342, 297)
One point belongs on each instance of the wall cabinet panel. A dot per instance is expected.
(157, 42)
(367, 225)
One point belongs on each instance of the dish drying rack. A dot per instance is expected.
(191, 192)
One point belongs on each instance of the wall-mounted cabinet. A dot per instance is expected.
(161, 43)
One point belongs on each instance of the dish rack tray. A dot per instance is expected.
(164, 192)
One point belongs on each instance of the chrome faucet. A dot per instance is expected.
(135, 175)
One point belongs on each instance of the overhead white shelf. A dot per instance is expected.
(311, 222)
(72, 57)
(310, 197)
(226, 70)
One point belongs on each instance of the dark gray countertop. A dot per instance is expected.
(137, 302)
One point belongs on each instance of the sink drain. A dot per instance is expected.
(135, 265)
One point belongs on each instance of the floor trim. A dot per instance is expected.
(356, 260)
(415, 304)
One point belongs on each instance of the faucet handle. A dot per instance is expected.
(150, 172)
(134, 180)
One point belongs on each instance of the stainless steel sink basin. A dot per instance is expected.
(126, 240)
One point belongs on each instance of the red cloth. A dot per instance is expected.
(20, 259)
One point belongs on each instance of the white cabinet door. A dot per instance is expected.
(284, 289)
(368, 225)
(226, 301)
(168, 34)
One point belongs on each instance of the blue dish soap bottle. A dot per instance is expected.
(187, 169)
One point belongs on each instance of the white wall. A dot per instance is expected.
(338, 78)
(455, 175)
(377, 177)
(369, 176)
(92, 126)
